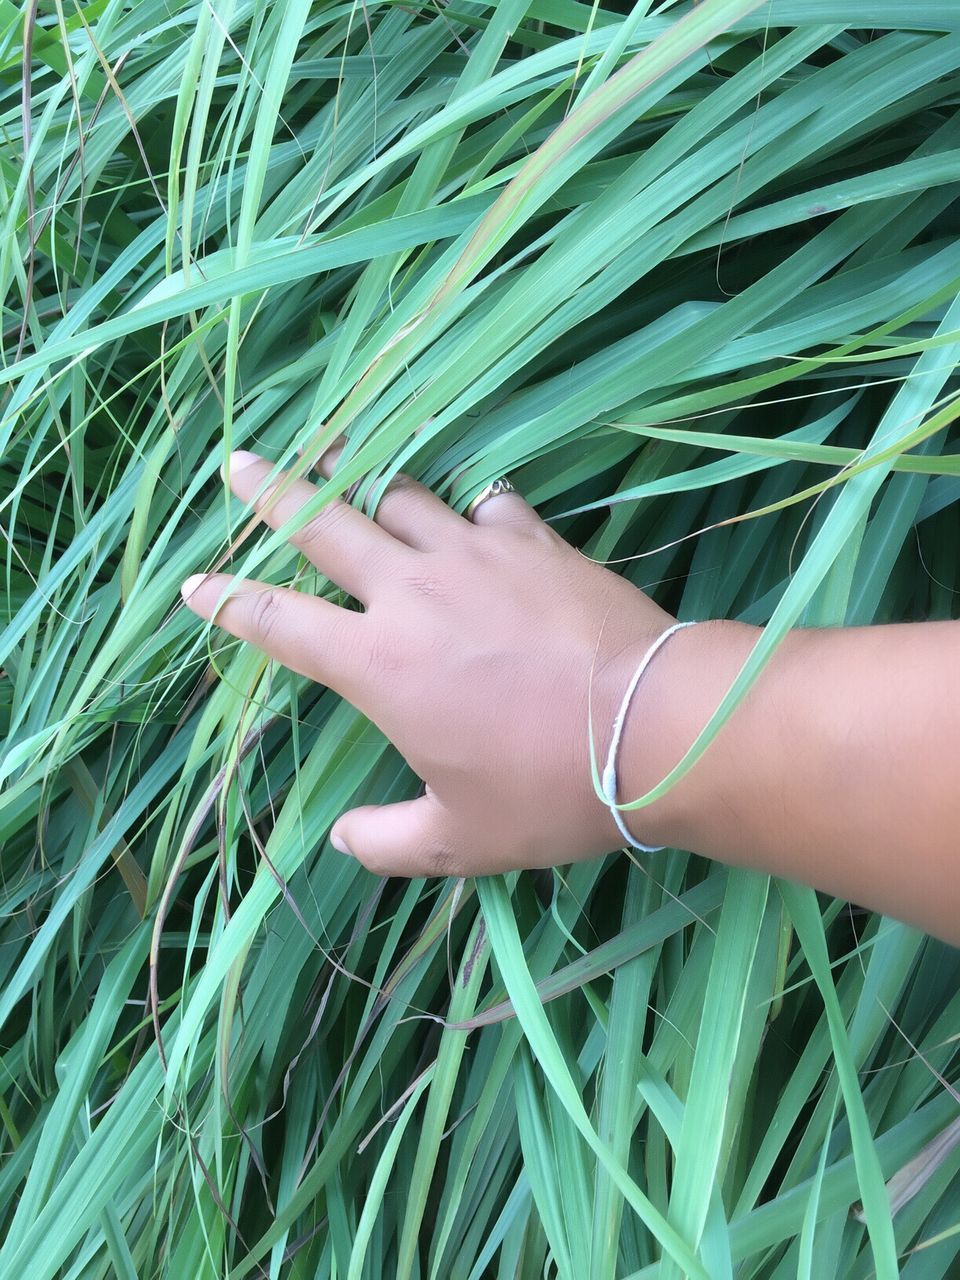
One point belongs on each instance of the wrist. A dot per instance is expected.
(677, 695)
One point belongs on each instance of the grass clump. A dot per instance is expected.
(688, 273)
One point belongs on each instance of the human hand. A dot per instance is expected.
(476, 650)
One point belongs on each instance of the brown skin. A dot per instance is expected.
(478, 648)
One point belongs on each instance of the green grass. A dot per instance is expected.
(689, 274)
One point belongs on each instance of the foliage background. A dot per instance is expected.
(689, 274)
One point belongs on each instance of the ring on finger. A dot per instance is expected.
(495, 487)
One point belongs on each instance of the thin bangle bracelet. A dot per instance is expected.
(610, 768)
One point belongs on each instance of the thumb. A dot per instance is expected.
(405, 839)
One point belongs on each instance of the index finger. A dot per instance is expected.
(310, 636)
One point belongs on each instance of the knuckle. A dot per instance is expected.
(318, 527)
(441, 860)
(396, 494)
(534, 531)
(401, 483)
(266, 612)
(428, 585)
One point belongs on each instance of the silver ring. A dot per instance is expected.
(491, 490)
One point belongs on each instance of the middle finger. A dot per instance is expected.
(407, 509)
(339, 540)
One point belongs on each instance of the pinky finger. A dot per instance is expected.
(313, 637)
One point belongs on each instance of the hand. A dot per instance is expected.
(474, 654)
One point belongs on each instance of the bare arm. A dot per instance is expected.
(840, 769)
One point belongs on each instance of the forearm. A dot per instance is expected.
(839, 769)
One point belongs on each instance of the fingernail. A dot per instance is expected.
(239, 459)
(191, 584)
(340, 845)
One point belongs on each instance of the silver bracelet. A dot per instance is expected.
(609, 780)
